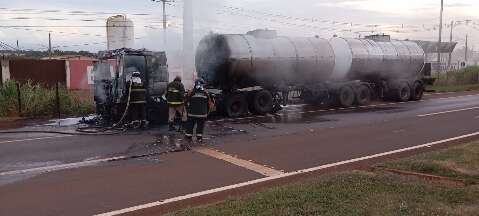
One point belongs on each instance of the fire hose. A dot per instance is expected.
(88, 130)
(126, 108)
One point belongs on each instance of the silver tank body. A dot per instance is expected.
(239, 61)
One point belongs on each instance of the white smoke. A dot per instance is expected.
(205, 17)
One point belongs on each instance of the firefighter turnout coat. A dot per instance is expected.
(175, 94)
(198, 102)
(138, 92)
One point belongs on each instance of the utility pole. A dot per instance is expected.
(18, 49)
(165, 23)
(440, 37)
(465, 54)
(450, 53)
(50, 45)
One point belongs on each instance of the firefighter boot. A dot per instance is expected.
(199, 138)
(182, 127)
(172, 126)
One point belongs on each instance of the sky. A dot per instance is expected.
(79, 25)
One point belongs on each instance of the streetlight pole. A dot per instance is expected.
(188, 46)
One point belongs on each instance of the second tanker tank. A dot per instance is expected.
(234, 61)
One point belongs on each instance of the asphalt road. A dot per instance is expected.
(45, 174)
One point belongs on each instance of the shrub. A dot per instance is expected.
(38, 101)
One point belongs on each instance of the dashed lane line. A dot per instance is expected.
(250, 165)
(61, 166)
(281, 176)
(34, 139)
(446, 112)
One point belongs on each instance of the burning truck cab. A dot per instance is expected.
(111, 84)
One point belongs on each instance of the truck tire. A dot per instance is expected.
(262, 102)
(346, 96)
(403, 92)
(363, 95)
(308, 97)
(417, 91)
(236, 105)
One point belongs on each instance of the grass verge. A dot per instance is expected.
(466, 79)
(461, 163)
(366, 193)
(454, 88)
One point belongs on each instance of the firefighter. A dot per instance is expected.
(175, 95)
(198, 104)
(137, 111)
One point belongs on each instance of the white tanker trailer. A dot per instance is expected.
(255, 72)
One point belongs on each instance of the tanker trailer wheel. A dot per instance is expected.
(262, 102)
(236, 105)
(403, 92)
(309, 98)
(363, 95)
(417, 91)
(346, 96)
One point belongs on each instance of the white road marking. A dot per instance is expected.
(270, 178)
(449, 111)
(33, 139)
(60, 167)
(247, 164)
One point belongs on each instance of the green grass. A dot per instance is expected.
(365, 193)
(38, 101)
(454, 88)
(351, 193)
(461, 162)
(466, 76)
(466, 79)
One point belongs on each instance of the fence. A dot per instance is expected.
(466, 76)
(46, 72)
(34, 100)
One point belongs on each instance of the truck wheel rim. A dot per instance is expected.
(235, 107)
(404, 92)
(263, 101)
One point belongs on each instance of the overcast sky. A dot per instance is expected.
(79, 24)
